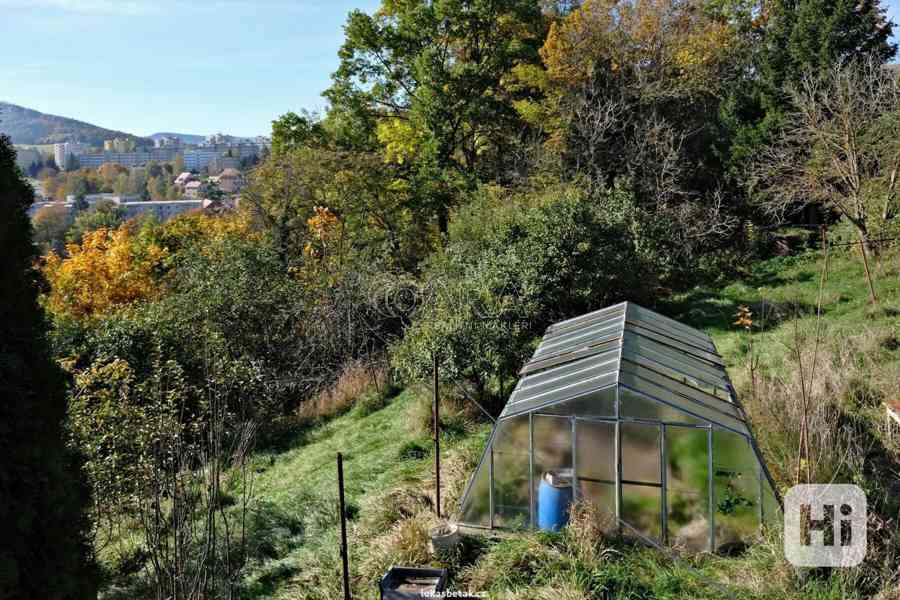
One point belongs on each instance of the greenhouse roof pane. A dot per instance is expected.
(615, 309)
(677, 361)
(558, 395)
(640, 313)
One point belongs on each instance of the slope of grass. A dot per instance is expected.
(297, 490)
(293, 528)
(784, 295)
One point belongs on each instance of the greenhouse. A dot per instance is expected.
(634, 412)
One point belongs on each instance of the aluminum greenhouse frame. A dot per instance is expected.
(633, 411)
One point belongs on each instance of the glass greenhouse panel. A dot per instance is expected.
(772, 515)
(552, 397)
(638, 312)
(637, 406)
(476, 506)
(670, 355)
(551, 362)
(687, 519)
(662, 329)
(679, 388)
(603, 496)
(595, 322)
(512, 501)
(577, 366)
(687, 464)
(599, 403)
(563, 380)
(736, 489)
(595, 450)
(669, 371)
(552, 449)
(640, 452)
(577, 338)
(553, 441)
(615, 311)
(641, 509)
(677, 346)
(512, 435)
(701, 410)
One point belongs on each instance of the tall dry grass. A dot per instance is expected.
(357, 379)
(845, 379)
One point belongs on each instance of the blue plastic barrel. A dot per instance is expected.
(554, 500)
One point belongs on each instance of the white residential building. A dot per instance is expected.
(62, 151)
(194, 160)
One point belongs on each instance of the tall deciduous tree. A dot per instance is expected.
(44, 554)
(840, 148)
(430, 74)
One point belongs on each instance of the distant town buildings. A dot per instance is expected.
(128, 159)
(199, 158)
(119, 145)
(194, 189)
(167, 142)
(183, 179)
(162, 210)
(216, 153)
(220, 163)
(62, 152)
(229, 181)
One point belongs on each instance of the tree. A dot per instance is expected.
(72, 163)
(214, 192)
(429, 76)
(509, 271)
(375, 211)
(156, 187)
(108, 270)
(840, 148)
(105, 215)
(798, 38)
(109, 174)
(42, 495)
(137, 183)
(178, 166)
(292, 131)
(50, 226)
(629, 94)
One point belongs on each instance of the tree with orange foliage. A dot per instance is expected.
(632, 91)
(109, 269)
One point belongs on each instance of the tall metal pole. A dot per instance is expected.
(437, 441)
(340, 466)
(862, 249)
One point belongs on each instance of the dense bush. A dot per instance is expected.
(512, 267)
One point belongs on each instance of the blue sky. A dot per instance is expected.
(198, 66)
(191, 66)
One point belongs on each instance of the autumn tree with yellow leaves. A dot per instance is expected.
(107, 270)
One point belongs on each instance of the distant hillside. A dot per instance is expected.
(187, 138)
(26, 126)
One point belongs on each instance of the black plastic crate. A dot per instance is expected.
(409, 583)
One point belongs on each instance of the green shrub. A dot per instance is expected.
(511, 268)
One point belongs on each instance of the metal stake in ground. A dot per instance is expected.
(340, 466)
(437, 442)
